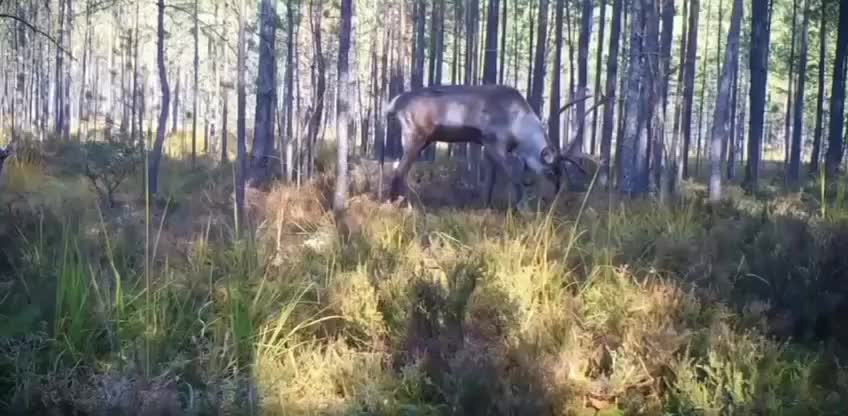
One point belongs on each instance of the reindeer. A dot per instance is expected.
(494, 116)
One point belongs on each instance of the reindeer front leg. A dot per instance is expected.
(410, 154)
(497, 158)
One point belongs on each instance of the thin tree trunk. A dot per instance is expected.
(175, 114)
(531, 23)
(661, 80)
(490, 61)
(611, 83)
(502, 66)
(798, 130)
(554, 117)
(196, 92)
(787, 120)
(266, 97)
(582, 71)
(57, 94)
(156, 157)
(315, 120)
(340, 195)
(760, 17)
(241, 119)
(703, 92)
(629, 180)
(819, 126)
(833, 158)
(598, 70)
(721, 118)
(288, 102)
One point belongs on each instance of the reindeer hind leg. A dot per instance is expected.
(410, 154)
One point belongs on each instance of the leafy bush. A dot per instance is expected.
(106, 165)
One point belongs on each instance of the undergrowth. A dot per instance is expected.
(633, 309)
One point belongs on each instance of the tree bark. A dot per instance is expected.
(582, 71)
(554, 115)
(795, 154)
(633, 119)
(539, 64)
(156, 157)
(490, 61)
(266, 96)
(288, 102)
(787, 120)
(59, 105)
(340, 195)
(241, 119)
(196, 93)
(837, 97)
(598, 70)
(721, 117)
(815, 156)
(662, 173)
(320, 82)
(611, 83)
(759, 78)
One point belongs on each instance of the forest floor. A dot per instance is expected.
(592, 306)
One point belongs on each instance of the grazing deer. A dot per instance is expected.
(494, 116)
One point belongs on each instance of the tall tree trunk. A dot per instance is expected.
(729, 150)
(760, 16)
(703, 92)
(340, 195)
(490, 61)
(664, 174)
(417, 73)
(539, 64)
(241, 119)
(196, 93)
(502, 66)
(611, 83)
(531, 22)
(175, 114)
(598, 70)
(819, 126)
(320, 82)
(787, 120)
(156, 157)
(651, 97)
(797, 132)
(437, 44)
(84, 77)
(659, 127)
(582, 71)
(721, 118)
(554, 117)
(266, 96)
(66, 101)
(634, 121)
(59, 81)
(837, 98)
(133, 47)
(288, 101)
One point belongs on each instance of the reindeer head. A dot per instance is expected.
(571, 154)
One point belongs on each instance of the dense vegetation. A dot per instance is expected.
(182, 231)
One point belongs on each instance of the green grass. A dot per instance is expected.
(624, 307)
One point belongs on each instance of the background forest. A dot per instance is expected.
(193, 216)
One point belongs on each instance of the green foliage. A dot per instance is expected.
(632, 310)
